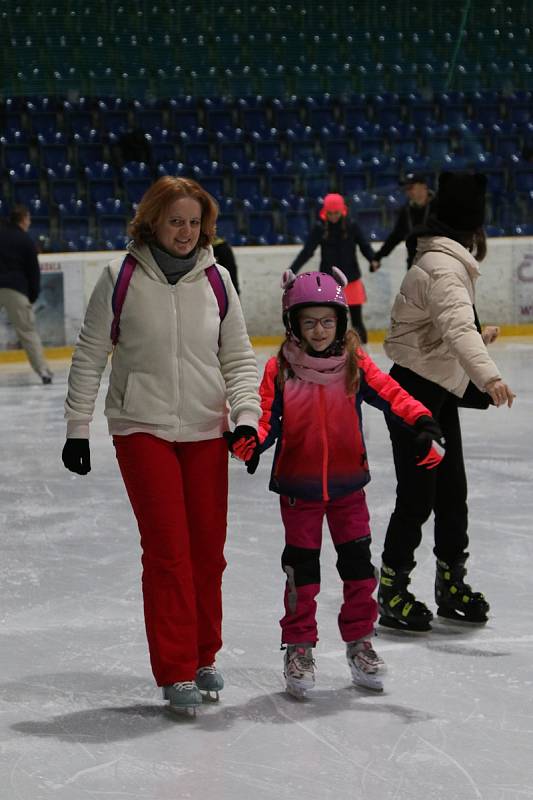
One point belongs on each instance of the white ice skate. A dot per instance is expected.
(210, 681)
(365, 665)
(184, 697)
(299, 669)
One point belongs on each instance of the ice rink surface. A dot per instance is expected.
(81, 718)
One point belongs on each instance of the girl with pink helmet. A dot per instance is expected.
(311, 397)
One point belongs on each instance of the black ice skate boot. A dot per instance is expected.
(455, 598)
(399, 608)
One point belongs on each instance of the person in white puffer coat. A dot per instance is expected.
(182, 365)
(440, 357)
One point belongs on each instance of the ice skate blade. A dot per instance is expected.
(298, 694)
(210, 695)
(188, 712)
(405, 627)
(451, 615)
(375, 685)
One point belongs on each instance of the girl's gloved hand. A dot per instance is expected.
(243, 443)
(429, 443)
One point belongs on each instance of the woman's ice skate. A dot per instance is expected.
(299, 669)
(210, 681)
(184, 697)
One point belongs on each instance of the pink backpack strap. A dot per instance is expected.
(217, 284)
(119, 294)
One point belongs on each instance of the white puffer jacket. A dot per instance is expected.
(433, 330)
(169, 375)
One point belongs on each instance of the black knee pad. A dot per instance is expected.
(354, 561)
(304, 564)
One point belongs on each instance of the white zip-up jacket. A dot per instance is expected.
(433, 330)
(171, 374)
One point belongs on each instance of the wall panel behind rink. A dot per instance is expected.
(504, 290)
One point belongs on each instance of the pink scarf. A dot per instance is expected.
(312, 369)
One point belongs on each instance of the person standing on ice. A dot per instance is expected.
(180, 355)
(311, 396)
(339, 237)
(440, 357)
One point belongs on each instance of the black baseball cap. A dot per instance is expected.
(413, 177)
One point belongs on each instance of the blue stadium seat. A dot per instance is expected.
(88, 154)
(184, 120)
(53, 156)
(134, 170)
(261, 227)
(15, 155)
(247, 187)
(111, 207)
(99, 191)
(62, 193)
(116, 122)
(255, 119)
(80, 244)
(281, 186)
(135, 188)
(523, 180)
(171, 167)
(214, 184)
(316, 185)
(335, 149)
(232, 152)
(110, 227)
(267, 149)
(163, 151)
(74, 227)
(297, 226)
(227, 227)
(149, 119)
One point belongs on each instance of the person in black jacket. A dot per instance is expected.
(226, 258)
(339, 237)
(412, 215)
(20, 283)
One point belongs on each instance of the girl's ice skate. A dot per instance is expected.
(299, 669)
(210, 681)
(365, 665)
(184, 697)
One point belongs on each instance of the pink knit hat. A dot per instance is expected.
(333, 202)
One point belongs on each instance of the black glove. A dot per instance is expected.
(243, 443)
(429, 442)
(76, 456)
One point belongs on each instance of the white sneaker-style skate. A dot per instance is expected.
(184, 697)
(299, 669)
(210, 681)
(365, 665)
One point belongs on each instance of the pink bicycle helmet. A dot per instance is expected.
(313, 289)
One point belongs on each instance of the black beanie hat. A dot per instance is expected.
(461, 200)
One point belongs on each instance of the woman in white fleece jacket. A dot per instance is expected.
(440, 358)
(181, 357)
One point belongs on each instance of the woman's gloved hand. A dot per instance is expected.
(76, 456)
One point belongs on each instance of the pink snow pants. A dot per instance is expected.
(348, 522)
(179, 494)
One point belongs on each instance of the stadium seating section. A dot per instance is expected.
(268, 105)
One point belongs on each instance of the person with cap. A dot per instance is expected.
(412, 215)
(440, 357)
(339, 237)
(20, 285)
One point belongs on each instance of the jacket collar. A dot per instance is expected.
(145, 259)
(451, 248)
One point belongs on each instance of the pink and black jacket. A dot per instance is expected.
(320, 451)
